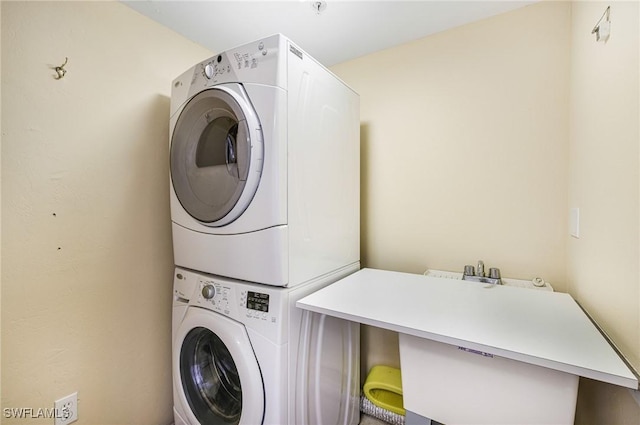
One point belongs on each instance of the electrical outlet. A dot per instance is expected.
(66, 409)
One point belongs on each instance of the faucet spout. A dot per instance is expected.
(480, 269)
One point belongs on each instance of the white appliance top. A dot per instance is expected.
(548, 329)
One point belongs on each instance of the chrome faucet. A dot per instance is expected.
(493, 278)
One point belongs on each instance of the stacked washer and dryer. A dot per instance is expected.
(265, 210)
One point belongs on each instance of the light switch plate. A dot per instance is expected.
(574, 222)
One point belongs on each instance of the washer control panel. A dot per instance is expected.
(255, 302)
(243, 302)
(214, 295)
(259, 307)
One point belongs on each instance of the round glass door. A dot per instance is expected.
(210, 379)
(215, 159)
(216, 372)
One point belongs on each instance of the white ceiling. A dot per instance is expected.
(344, 30)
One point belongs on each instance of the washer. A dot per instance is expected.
(240, 351)
(265, 166)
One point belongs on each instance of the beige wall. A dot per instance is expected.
(477, 141)
(603, 264)
(0, 215)
(464, 147)
(464, 150)
(86, 242)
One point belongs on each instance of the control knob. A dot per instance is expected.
(208, 71)
(208, 292)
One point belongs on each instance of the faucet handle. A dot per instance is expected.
(494, 273)
(469, 271)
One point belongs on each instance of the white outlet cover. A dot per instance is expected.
(66, 409)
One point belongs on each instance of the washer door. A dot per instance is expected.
(219, 376)
(216, 155)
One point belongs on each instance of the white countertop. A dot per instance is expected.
(548, 329)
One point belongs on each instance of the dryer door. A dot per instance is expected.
(216, 371)
(216, 155)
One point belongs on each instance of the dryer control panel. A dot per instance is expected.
(260, 62)
(257, 62)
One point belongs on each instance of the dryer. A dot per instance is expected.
(264, 166)
(243, 354)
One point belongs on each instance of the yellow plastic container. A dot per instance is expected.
(383, 387)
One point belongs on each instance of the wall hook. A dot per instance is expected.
(602, 29)
(60, 69)
(319, 6)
